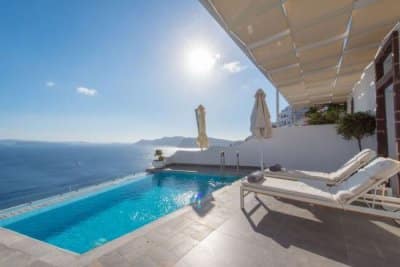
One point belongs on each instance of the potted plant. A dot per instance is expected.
(159, 160)
(357, 125)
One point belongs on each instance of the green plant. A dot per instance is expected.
(326, 114)
(159, 155)
(357, 125)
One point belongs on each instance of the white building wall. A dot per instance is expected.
(314, 147)
(289, 116)
(285, 117)
(364, 92)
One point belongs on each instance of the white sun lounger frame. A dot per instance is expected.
(373, 200)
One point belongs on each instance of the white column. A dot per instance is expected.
(293, 116)
(277, 105)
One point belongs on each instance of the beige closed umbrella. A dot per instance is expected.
(260, 127)
(202, 139)
(260, 119)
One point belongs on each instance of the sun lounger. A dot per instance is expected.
(345, 171)
(358, 193)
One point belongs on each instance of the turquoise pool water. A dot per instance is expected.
(80, 225)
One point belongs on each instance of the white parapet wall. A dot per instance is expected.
(316, 147)
(364, 91)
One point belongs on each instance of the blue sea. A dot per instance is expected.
(34, 170)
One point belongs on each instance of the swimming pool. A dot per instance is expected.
(83, 223)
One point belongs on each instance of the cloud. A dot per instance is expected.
(50, 84)
(234, 67)
(86, 91)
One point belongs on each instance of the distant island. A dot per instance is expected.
(183, 142)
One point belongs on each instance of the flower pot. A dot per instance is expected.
(158, 164)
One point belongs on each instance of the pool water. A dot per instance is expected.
(82, 224)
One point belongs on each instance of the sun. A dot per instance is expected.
(200, 60)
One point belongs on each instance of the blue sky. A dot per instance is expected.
(117, 71)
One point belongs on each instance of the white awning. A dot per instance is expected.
(312, 51)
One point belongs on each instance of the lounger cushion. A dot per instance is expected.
(375, 172)
(364, 157)
(299, 175)
(353, 165)
(316, 191)
(350, 167)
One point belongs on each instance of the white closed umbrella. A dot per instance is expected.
(260, 127)
(202, 139)
(260, 119)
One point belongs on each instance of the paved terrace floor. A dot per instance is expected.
(270, 233)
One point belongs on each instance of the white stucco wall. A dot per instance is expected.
(364, 92)
(316, 147)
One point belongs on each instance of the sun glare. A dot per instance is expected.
(200, 60)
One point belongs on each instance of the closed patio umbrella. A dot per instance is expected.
(260, 118)
(260, 127)
(202, 139)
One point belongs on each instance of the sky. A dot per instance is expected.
(120, 71)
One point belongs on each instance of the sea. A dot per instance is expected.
(31, 171)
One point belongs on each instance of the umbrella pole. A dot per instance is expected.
(261, 157)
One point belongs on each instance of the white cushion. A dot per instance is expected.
(317, 191)
(344, 172)
(299, 174)
(378, 170)
(354, 164)
(365, 155)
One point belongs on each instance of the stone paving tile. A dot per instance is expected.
(31, 247)
(94, 263)
(59, 258)
(197, 231)
(366, 259)
(161, 256)
(16, 259)
(113, 259)
(7, 237)
(183, 248)
(5, 251)
(222, 250)
(136, 248)
(301, 257)
(201, 257)
(39, 263)
(144, 261)
(214, 218)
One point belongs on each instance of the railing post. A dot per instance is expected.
(237, 161)
(241, 198)
(222, 161)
